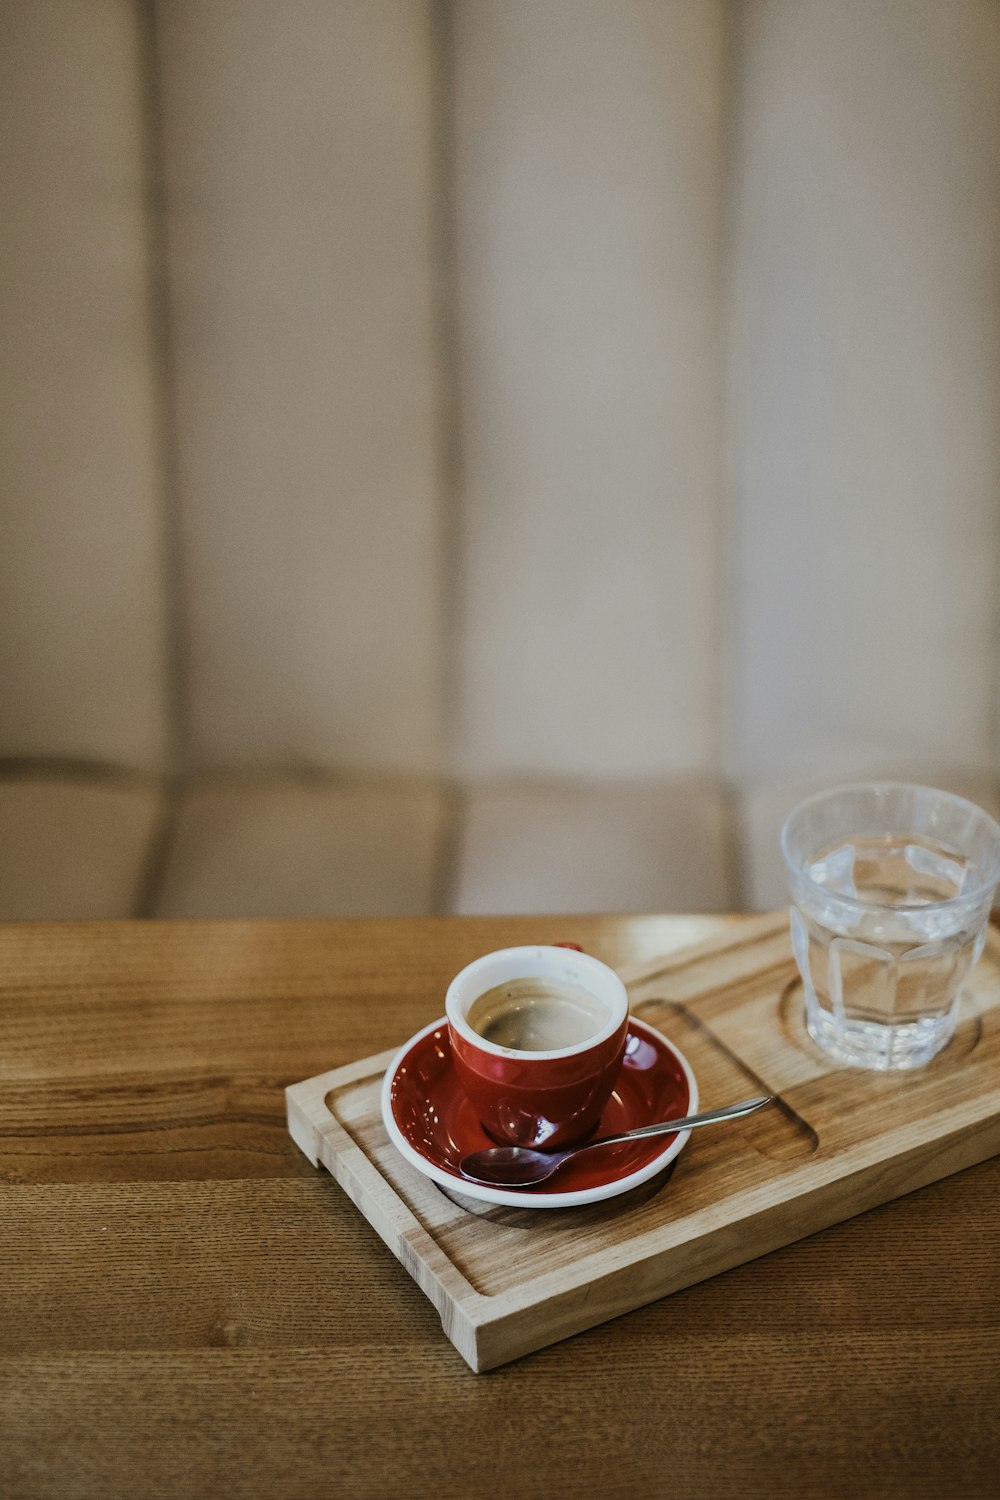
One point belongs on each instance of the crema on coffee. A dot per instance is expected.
(537, 1015)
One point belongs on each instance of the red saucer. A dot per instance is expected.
(432, 1123)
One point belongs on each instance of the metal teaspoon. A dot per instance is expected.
(519, 1166)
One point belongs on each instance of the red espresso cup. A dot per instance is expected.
(544, 1097)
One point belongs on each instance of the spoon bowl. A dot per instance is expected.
(522, 1167)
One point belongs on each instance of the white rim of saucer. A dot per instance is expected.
(527, 1199)
(536, 961)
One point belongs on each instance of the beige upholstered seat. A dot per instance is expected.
(486, 457)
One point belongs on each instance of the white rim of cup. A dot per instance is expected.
(536, 962)
(800, 871)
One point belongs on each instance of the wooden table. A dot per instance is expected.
(188, 1308)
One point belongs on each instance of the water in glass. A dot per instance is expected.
(886, 965)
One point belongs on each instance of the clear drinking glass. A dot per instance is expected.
(891, 892)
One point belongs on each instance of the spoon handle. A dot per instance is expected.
(689, 1122)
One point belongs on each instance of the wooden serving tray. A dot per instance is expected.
(507, 1281)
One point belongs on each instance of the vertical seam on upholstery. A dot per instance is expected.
(445, 879)
(448, 437)
(734, 853)
(165, 357)
(729, 533)
(153, 870)
(162, 353)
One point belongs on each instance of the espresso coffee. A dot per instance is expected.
(537, 1015)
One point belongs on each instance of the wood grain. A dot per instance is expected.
(188, 1308)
